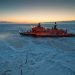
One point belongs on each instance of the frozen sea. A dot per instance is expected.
(36, 56)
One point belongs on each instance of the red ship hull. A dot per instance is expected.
(44, 35)
(40, 31)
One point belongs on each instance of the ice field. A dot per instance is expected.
(36, 56)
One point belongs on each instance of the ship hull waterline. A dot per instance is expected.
(34, 35)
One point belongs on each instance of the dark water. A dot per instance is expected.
(36, 56)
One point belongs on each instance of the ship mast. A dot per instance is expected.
(55, 26)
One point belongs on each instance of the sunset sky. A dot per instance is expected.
(34, 11)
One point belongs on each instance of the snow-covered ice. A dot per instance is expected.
(35, 56)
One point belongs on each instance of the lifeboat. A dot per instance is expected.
(40, 31)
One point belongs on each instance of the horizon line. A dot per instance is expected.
(11, 22)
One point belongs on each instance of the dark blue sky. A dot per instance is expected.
(19, 8)
(32, 3)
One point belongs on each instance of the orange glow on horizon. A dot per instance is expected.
(36, 19)
(33, 15)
